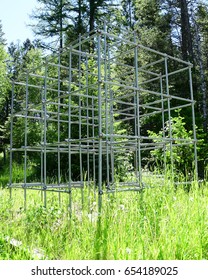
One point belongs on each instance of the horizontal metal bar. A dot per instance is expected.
(123, 96)
(151, 73)
(83, 39)
(149, 81)
(151, 64)
(84, 54)
(121, 113)
(124, 119)
(135, 44)
(150, 107)
(150, 114)
(126, 110)
(125, 189)
(58, 65)
(121, 64)
(183, 183)
(124, 103)
(28, 85)
(178, 107)
(176, 71)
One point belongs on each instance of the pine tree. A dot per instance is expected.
(97, 11)
(128, 11)
(4, 100)
(200, 25)
(53, 18)
(2, 39)
(152, 26)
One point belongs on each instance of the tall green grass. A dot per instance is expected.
(164, 222)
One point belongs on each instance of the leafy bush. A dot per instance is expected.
(182, 149)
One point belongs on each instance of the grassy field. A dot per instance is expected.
(159, 223)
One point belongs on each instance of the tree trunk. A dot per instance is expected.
(4, 153)
(203, 86)
(79, 29)
(92, 15)
(186, 44)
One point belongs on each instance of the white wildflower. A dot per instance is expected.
(38, 254)
(13, 242)
(93, 216)
(128, 251)
(122, 207)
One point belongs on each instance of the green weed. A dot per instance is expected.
(158, 223)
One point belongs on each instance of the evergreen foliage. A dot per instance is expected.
(178, 28)
(2, 35)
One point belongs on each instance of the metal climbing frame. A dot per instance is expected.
(81, 117)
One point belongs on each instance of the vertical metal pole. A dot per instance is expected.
(41, 141)
(169, 118)
(44, 100)
(139, 167)
(136, 133)
(106, 108)
(163, 121)
(94, 145)
(111, 123)
(87, 121)
(58, 124)
(194, 124)
(80, 122)
(100, 191)
(69, 132)
(11, 141)
(88, 130)
(25, 142)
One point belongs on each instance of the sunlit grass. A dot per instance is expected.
(158, 223)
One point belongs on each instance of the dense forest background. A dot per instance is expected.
(178, 28)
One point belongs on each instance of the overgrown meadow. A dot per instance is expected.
(164, 222)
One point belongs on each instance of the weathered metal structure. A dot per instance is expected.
(85, 110)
